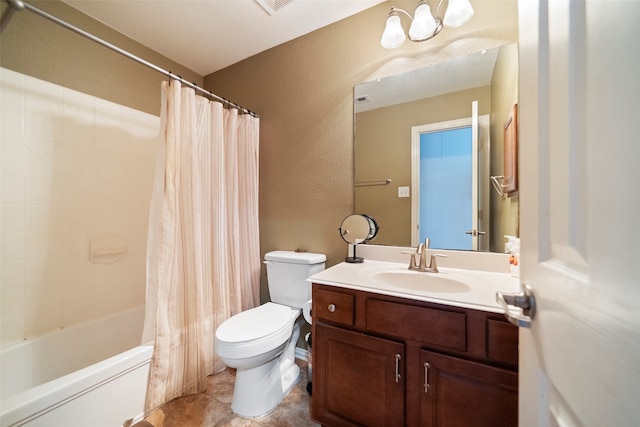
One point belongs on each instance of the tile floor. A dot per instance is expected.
(213, 407)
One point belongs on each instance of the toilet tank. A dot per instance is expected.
(287, 274)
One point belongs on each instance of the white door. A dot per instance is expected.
(475, 227)
(580, 201)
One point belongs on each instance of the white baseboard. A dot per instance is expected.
(302, 354)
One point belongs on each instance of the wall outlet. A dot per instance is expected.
(403, 191)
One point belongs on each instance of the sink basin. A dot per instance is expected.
(418, 281)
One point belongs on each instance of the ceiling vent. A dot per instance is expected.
(272, 6)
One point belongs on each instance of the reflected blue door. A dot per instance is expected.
(445, 188)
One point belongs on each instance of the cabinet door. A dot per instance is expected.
(358, 380)
(459, 393)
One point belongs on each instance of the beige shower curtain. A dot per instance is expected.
(203, 252)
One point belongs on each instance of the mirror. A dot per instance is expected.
(388, 111)
(357, 229)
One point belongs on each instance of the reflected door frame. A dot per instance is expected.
(480, 164)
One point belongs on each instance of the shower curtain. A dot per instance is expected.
(203, 253)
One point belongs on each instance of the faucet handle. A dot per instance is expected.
(427, 242)
(412, 262)
(433, 266)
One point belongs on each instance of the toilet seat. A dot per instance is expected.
(256, 330)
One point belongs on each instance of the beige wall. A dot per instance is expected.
(34, 46)
(504, 210)
(383, 144)
(303, 92)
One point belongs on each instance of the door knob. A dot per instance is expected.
(519, 308)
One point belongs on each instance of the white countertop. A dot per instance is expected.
(481, 293)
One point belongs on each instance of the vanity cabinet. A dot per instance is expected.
(386, 361)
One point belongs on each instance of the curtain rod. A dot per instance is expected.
(20, 5)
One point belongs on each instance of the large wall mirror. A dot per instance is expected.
(427, 143)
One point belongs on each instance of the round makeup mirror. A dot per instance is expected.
(356, 229)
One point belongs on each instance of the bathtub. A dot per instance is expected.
(94, 373)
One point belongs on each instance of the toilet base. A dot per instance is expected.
(262, 381)
(259, 390)
(290, 378)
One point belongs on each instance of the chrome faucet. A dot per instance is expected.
(418, 261)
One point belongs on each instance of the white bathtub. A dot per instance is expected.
(93, 374)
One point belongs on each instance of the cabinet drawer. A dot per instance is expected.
(502, 342)
(336, 307)
(429, 326)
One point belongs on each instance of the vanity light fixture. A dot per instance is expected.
(423, 24)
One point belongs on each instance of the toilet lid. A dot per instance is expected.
(255, 323)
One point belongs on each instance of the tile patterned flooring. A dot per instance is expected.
(213, 407)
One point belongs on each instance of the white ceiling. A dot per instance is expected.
(456, 74)
(208, 35)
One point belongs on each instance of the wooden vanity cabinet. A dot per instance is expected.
(387, 361)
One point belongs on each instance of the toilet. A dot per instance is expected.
(260, 343)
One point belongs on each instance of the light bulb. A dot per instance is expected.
(393, 35)
(458, 13)
(423, 24)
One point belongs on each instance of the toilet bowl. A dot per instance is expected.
(260, 343)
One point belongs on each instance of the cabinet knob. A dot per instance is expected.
(331, 308)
